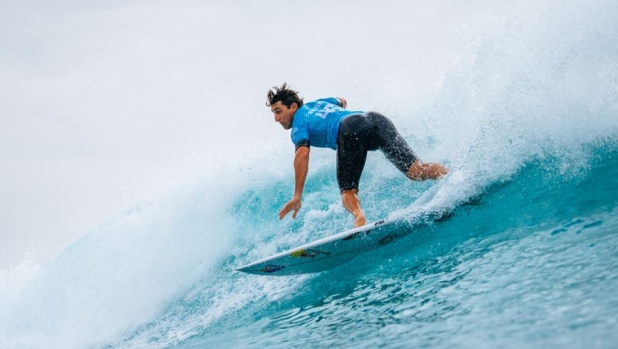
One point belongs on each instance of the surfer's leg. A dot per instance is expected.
(400, 154)
(351, 202)
(391, 143)
(351, 151)
(351, 157)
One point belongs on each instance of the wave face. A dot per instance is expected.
(524, 253)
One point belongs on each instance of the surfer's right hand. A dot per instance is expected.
(292, 205)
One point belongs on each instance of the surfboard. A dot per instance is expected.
(329, 252)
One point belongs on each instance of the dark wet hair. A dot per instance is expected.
(283, 94)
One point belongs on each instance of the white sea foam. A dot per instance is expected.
(535, 80)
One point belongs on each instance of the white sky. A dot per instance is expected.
(106, 104)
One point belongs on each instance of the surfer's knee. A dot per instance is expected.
(349, 191)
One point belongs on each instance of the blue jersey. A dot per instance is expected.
(316, 123)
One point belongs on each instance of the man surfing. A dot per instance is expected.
(326, 123)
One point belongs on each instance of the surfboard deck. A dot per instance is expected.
(329, 252)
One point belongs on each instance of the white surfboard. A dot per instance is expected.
(329, 252)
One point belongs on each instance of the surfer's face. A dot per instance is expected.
(283, 114)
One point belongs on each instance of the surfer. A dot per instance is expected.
(326, 123)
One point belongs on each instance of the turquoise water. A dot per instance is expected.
(528, 263)
(517, 247)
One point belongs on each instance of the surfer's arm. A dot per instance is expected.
(301, 167)
(342, 102)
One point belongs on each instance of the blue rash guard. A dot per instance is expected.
(317, 123)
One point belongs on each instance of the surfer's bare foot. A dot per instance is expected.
(421, 171)
(360, 221)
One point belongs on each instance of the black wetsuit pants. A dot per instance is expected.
(361, 133)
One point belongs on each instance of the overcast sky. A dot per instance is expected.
(107, 104)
